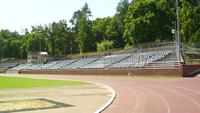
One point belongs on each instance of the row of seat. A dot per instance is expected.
(6, 65)
(111, 61)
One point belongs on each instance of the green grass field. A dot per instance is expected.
(15, 82)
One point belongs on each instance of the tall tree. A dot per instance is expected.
(50, 32)
(149, 20)
(99, 27)
(9, 44)
(64, 38)
(36, 40)
(122, 10)
(82, 28)
(189, 20)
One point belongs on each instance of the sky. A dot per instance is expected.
(20, 14)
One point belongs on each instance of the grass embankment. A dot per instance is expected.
(15, 82)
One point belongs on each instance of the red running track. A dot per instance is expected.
(149, 95)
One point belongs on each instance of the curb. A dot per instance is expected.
(106, 86)
(106, 105)
(109, 102)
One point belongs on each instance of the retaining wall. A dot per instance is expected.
(130, 71)
(189, 68)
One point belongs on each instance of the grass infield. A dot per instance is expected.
(15, 82)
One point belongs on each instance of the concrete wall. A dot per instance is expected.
(131, 71)
(189, 68)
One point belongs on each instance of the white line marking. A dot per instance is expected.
(193, 101)
(162, 98)
(137, 98)
(192, 90)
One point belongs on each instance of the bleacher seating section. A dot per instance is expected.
(7, 64)
(129, 60)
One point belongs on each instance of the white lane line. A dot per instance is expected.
(162, 98)
(192, 90)
(193, 101)
(137, 98)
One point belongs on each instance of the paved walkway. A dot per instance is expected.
(83, 99)
(148, 95)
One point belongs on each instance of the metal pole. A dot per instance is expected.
(40, 44)
(177, 31)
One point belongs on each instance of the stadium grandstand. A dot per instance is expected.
(143, 56)
(8, 64)
(154, 55)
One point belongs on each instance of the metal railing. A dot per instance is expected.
(191, 53)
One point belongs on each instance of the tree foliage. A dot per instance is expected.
(105, 45)
(149, 20)
(190, 20)
(82, 29)
(134, 22)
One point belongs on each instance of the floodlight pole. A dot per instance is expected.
(40, 45)
(177, 32)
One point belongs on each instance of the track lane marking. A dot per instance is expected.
(192, 90)
(137, 98)
(162, 98)
(193, 101)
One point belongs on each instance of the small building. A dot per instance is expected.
(37, 57)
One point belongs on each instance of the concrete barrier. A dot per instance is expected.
(126, 71)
